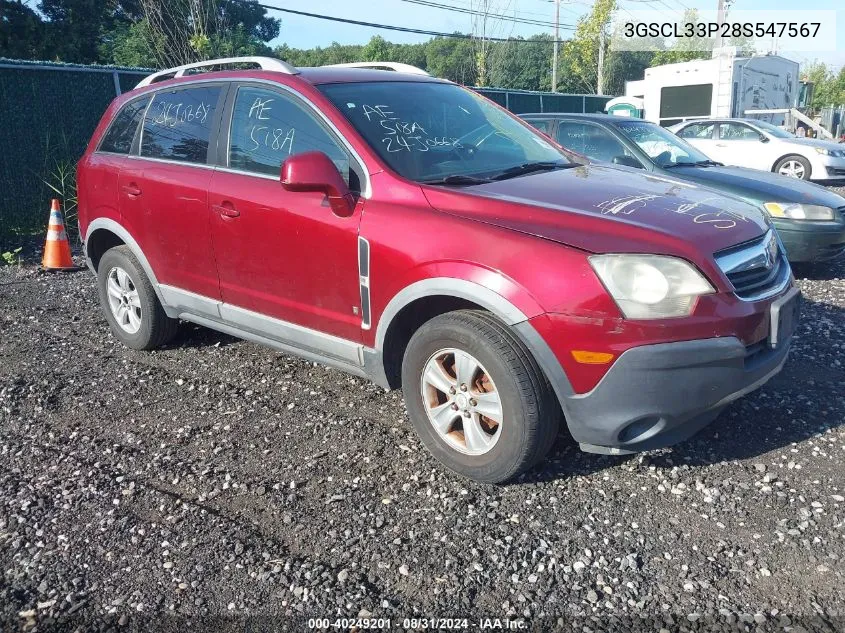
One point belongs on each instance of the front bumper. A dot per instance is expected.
(657, 395)
(809, 241)
(823, 167)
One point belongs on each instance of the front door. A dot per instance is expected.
(741, 145)
(282, 254)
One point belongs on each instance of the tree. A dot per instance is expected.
(21, 31)
(581, 53)
(452, 58)
(625, 66)
(182, 31)
(522, 64)
(377, 50)
(74, 29)
(828, 87)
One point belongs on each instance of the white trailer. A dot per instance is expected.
(723, 86)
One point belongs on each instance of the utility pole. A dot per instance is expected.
(554, 53)
(720, 18)
(600, 73)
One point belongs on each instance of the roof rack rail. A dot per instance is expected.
(394, 66)
(265, 63)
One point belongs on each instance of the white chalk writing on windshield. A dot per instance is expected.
(400, 135)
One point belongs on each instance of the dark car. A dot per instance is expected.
(809, 218)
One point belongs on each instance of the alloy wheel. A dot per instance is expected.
(792, 168)
(462, 402)
(123, 299)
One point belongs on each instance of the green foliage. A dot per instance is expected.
(123, 32)
(21, 31)
(10, 258)
(62, 181)
(829, 87)
(581, 53)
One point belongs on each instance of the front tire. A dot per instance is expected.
(794, 166)
(477, 398)
(129, 302)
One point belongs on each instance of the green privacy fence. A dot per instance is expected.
(525, 101)
(47, 114)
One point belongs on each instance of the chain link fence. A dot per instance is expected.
(48, 112)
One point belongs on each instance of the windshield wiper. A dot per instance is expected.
(527, 168)
(698, 163)
(457, 180)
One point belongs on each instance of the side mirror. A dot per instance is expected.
(764, 138)
(314, 171)
(628, 161)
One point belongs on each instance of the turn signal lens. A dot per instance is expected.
(591, 358)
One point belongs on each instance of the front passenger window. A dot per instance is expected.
(267, 127)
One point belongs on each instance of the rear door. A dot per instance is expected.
(593, 141)
(702, 136)
(164, 194)
(98, 173)
(282, 254)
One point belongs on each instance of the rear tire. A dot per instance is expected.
(793, 166)
(456, 368)
(129, 302)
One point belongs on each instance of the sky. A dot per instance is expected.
(305, 32)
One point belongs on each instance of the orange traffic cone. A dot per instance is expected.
(56, 248)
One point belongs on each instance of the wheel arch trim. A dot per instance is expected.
(450, 287)
(120, 231)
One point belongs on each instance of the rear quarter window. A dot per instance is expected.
(178, 124)
(121, 133)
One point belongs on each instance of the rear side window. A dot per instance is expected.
(118, 140)
(542, 125)
(590, 140)
(178, 124)
(698, 130)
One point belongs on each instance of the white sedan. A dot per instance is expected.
(761, 145)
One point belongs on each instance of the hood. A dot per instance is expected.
(760, 186)
(602, 208)
(813, 142)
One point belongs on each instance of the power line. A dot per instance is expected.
(446, 7)
(403, 29)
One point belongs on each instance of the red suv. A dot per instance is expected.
(406, 229)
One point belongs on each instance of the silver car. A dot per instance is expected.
(761, 145)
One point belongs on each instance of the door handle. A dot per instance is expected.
(132, 190)
(721, 144)
(227, 210)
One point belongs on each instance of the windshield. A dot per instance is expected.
(774, 130)
(663, 147)
(431, 131)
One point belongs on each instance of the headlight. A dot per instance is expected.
(651, 286)
(797, 211)
(838, 153)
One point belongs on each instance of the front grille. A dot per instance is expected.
(756, 269)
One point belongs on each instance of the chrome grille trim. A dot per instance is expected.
(757, 269)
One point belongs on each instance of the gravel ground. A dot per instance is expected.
(215, 484)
